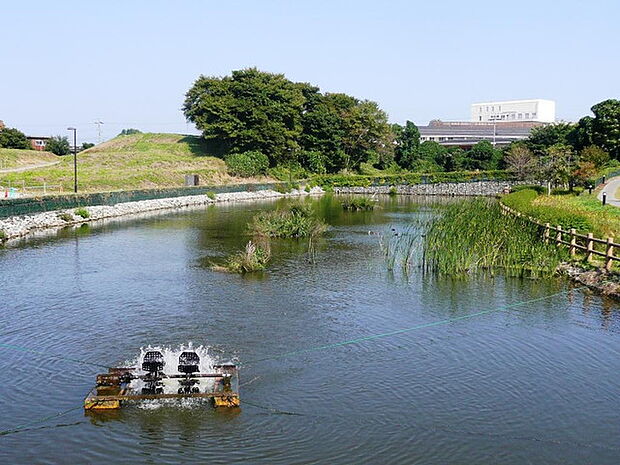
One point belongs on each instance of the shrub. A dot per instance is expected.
(358, 204)
(247, 164)
(286, 187)
(82, 212)
(2, 235)
(393, 191)
(211, 195)
(58, 145)
(307, 188)
(314, 162)
(11, 138)
(298, 220)
(66, 216)
(288, 172)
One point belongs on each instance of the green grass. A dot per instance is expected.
(253, 257)
(358, 203)
(137, 161)
(472, 236)
(583, 212)
(15, 158)
(83, 212)
(297, 220)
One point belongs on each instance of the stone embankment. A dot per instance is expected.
(18, 226)
(442, 188)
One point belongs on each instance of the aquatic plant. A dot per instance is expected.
(65, 216)
(82, 212)
(254, 257)
(297, 220)
(471, 236)
(211, 195)
(358, 204)
(393, 191)
(2, 235)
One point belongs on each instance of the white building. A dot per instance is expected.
(514, 110)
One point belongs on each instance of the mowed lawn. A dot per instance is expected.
(137, 161)
(604, 219)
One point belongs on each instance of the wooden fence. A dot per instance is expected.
(585, 243)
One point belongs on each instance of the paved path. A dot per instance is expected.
(30, 167)
(611, 187)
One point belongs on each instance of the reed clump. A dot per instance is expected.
(358, 204)
(254, 257)
(475, 235)
(297, 220)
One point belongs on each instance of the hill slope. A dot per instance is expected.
(138, 161)
(15, 158)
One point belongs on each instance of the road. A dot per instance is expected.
(611, 187)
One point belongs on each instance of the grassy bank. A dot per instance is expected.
(14, 158)
(583, 212)
(138, 161)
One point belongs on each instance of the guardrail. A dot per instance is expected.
(576, 242)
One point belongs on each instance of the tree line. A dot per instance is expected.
(277, 122)
(569, 153)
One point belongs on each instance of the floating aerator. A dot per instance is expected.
(188, 362)
(153, 361)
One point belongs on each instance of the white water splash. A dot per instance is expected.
(170, 386)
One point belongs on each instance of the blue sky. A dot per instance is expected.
(129, 63)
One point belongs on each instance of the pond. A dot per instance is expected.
(530, 383)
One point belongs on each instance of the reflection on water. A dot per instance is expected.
(486, 390)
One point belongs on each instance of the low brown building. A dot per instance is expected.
(38, 143)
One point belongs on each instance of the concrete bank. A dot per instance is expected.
(441, 188)
(19, 226)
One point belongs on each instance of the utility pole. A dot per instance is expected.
(98, 123)
(75, 182)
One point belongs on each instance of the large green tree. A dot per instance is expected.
(249, 110)
(58, 145)
(483, 156)
(606, 126)
(11, 138)
(407, 144)
(543, 137)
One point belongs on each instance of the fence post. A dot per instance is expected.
(590, 246)
(558, 236)
(546, 233)
(573, 242)
(609, 253)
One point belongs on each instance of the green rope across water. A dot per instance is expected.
(412, 328)
(45, 354)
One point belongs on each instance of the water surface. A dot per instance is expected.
(537, 383)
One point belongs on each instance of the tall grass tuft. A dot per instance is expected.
(253, 257)
(298, 220)
(474, 235)
(358, 204)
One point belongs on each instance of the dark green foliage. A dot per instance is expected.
(543, 137)
(86, 146)
(129, 132)
(286, 187)
(606, 126)
(595, 155)
(313, 161)
(483, 156)
(58, 145)
(248, 111)
(298, 220)
(407, 143)
(11, 138)
(358, 204)
(393, 191)
(247, 164)
(522, 201)
(83, 212)
(289, 122)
